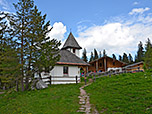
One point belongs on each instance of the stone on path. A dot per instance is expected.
(85, 102)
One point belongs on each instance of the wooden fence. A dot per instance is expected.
(75, 79)
(60, 80)
(109, 73)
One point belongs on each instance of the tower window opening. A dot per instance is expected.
(73, 50)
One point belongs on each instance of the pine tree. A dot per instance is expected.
(125, 58)
(84, 55)
(37, 35)
(148, 54)
(91, 57)
(32, 45)
(95, 54)
(9, 62)
(35, 28)
(44, 52)
(140, 52)
(9, 65)
(113, 56)
(120, 58)
(48, 57)
(104, 53)
(148, 58)
(20, 22)
(135, 58)
(148, 45)
(130, 58)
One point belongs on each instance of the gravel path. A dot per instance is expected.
(85, 107)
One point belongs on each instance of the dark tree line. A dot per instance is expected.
(148, 54)
(25, 48)
(143, 54)
(94, 55)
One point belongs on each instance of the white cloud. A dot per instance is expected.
(113, 37)
(135, 3)
(81, 28)
(117, 37)
(58, 31)
(138, 10)
(4, 4)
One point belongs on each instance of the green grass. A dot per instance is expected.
(57, 99)
(126, 93)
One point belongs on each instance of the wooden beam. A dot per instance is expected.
(105, 64)
(96, 65)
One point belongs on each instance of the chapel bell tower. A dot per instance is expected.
(72, 45)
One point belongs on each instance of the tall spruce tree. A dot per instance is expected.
(125, 58)
(130, 58)
(84, 55)
(113, 56)
(91, 57)
(104, 53)
(48, 57)
(120, 58)
(135, 58)
(95, 54)
(44, 53)
(9, 62)
(36, 36)
(148, 54)
(140, 52)
(20, 22)
(37, 52)
(148, 45)
(148, 58)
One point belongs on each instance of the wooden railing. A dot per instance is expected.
(50, 79)
(96, 75)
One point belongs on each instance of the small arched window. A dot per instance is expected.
(73, 50)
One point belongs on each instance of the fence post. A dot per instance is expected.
(50, 80)
(76, 79)
(138, 68)
(125, 70)
(110, 74)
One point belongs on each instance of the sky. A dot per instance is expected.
(114, 25)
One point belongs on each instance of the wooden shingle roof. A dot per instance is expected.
(134, 64)
(71, 43)
(69, 58)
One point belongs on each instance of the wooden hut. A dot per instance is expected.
(105, 64)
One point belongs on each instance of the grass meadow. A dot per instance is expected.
(57, 99)
(121, 94)
(125, 93)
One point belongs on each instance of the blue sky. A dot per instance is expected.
(114, 25)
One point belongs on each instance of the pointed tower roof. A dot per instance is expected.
(71, 43)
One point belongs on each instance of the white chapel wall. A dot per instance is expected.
(57, 71)
(74, 71)
(77, 53)
(58, 76)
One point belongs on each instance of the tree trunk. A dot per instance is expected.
(22, 60)
(17, 85)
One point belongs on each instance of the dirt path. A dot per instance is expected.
(86, 107)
